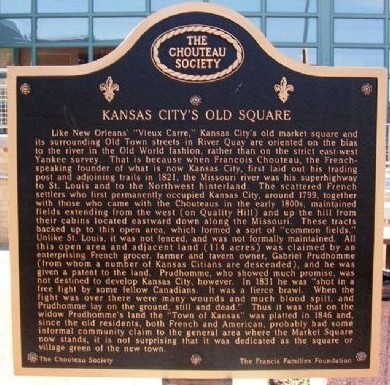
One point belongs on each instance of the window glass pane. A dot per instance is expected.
(389, 25)
(61, 56)
(256, 21)
(59, 6)
(66, 29)
(358, 57)
(158, 4)
(23, 56)
(15, 6)
(100, 52)
(358, 31)
(387, 146)
(119, 5)
(359, 6)
(297, 54)
(300, 30)
(113, 28)
(15, 30)
(389, 73)
(292, 6)
(6, 57)
(239, 5)
(15, 56)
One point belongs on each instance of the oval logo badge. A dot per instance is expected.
(197, 53)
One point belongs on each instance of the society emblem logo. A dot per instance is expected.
(197, 53)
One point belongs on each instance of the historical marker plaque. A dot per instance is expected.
(196, 205)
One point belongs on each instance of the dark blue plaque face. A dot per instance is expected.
(196, 202)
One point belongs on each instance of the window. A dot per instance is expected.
(239, 5)
(15, 6)
(358, 57)
(60, 6)
(62, 29)
(297, 54)
(300, 30)
(15, 31)
(119, 6)
(359, 6)
(159, 4)
(358, 31)
(100, 52)
(14, 56)
(61, 56)
(23, 56)
(256, 21)
(113, 28)
(297, 6)
(6, 57)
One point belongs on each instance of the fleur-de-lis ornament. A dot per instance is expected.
(283, 89)
(109, 88)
